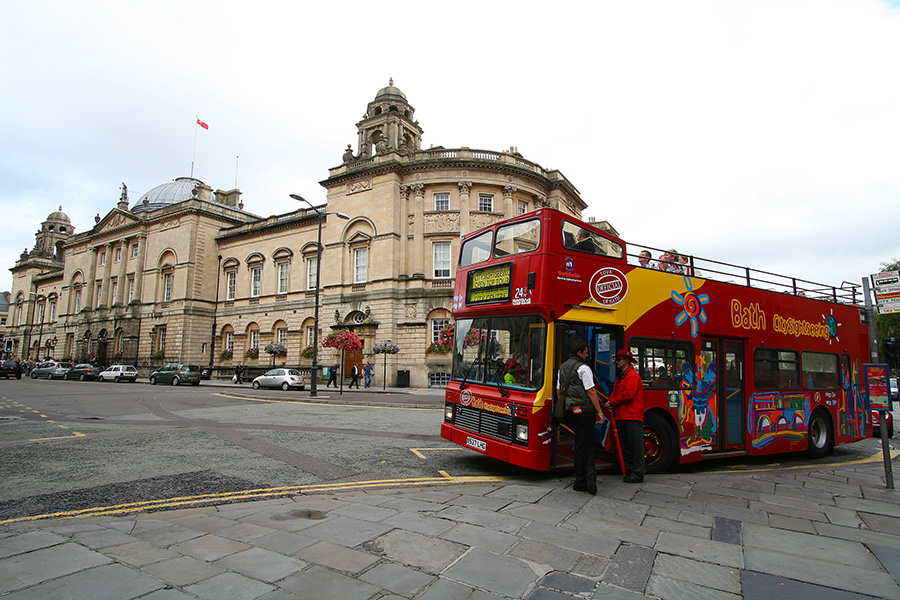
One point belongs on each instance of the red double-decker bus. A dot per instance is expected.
(733, 360)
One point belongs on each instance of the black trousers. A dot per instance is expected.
(631, 436)
(582, 425)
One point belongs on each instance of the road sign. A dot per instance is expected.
(887, 291)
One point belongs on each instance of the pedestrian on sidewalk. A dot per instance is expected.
(368, 371)
(354, 376)
(627, 400)
(332, 376)
(238, 373)
(575, 386)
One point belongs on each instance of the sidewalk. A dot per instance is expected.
(795, 533)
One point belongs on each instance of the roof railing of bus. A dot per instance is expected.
(846, 293)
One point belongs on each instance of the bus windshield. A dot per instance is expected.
(504, 351)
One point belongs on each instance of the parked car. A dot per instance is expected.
(285, 379)
(876, 424)
(176, 374)
(51, 369)
(83, 372)
(894, 390)
(118, 373)
(10, 368)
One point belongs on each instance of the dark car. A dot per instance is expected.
(51, 369)
(176, 374)
(83, 372)
(10, 368)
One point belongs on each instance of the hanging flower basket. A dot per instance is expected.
(343, 340)
(227, 355)
(252, 352)
(276, 349)
(444, 342)
(308, 352)
(386, 347)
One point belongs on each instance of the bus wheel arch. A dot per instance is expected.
(660, 442)
(820, 433)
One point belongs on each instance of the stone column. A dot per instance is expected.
(403, 229)
(107, 271)
(139, 268)
(419, 231)
(88, 300)
(508, 208)
(123, 263)
(464, 207)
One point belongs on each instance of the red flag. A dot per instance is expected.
(202, 124)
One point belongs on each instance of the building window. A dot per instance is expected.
(255, 281)
(441, 252)
(283, 277)
(229, 341)
(102, 258)
(436, 326)
(486, 202)
(442, 202)
(167, 287)
(312, 268)
(523, 207)
(99, 293)
(360, 265)
(281, 336)
(120, 342)
(119, 254)
(77, 300)
(113, 291)
(230, 284)
(130, 290)
(134, 251)
(41, 312)
(254, 338)
(310, 333)
(53, 311)
(162, 339)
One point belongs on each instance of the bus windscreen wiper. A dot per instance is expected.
(462, 385)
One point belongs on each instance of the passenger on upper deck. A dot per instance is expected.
(584, 241)
(668, 262)
(644, 259)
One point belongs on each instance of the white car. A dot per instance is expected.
(285, 379)
(118, 373)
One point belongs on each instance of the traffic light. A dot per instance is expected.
(9, 345)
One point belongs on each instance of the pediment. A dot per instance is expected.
(115, 219)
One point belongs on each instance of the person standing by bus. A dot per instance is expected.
(627, 400)
(575, 387)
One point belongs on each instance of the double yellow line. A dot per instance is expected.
(185, 501)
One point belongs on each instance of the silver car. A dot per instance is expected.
(285, 379)
(51, 369)
(118, 373)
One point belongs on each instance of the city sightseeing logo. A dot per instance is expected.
(608, 286)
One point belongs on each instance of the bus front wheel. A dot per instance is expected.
(821, 434)
(659, 444)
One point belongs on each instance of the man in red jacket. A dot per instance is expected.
(627, 399)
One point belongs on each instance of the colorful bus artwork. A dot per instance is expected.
(734, 360)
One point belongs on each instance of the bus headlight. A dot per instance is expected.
(522, 432)
(448, 412)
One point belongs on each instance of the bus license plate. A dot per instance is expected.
(477, 444)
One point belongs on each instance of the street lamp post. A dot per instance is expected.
(313, 390)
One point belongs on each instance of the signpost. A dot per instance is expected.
(887, 292)
(878, 394)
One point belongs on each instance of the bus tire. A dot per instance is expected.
(820, 434)
(660, 444)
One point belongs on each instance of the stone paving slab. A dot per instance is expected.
(33, 567)
(108, 582)
(494, 573)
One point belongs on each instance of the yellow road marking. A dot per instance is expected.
(422, 456)
(255, 494)
(75, 434)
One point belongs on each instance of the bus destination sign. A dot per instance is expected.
(491, 284)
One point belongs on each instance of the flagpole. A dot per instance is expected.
(194, 153)
(236, 159)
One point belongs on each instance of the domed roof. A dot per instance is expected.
(390, 90)
(167, 193)
(59, 216)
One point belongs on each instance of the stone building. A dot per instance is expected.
(187, 275)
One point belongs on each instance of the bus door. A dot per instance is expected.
(721, 392)
(603, 341)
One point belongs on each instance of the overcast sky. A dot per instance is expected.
(763, 133)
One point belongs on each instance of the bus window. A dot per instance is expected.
(820, 371)
(476, 250)
(502, 351)
(662, 363)
(517, 238)
(776, 369)
(582, 239)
